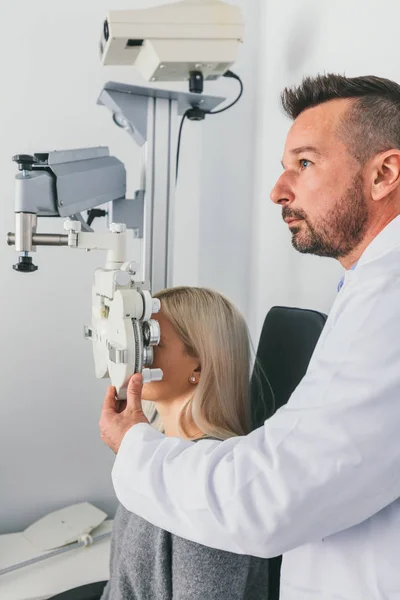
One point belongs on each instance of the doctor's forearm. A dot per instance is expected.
(262, 494)
(151, 478)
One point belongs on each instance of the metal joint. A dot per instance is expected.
(117, 355)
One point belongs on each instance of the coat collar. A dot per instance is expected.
(386, 241)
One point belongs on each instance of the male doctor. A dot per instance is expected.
(320, 481)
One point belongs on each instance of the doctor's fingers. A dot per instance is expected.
(134, 391)
(134, 395)
(109, 404)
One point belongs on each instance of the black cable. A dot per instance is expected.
(199, 114)
(179, 143)
(221, 110)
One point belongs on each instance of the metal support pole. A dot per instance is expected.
(160, 192)
(150, 116)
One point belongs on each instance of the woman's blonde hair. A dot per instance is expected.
(213, 331)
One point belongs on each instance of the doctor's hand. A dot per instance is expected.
(118, 417)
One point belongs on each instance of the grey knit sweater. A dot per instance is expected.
(148, 563)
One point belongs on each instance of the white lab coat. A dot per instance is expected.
(320, 481)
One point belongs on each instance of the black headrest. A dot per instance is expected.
(287, 342)
(90, 591)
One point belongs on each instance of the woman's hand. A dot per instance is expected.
(118, 417)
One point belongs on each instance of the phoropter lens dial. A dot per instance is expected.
(148, 356)
(151, 333)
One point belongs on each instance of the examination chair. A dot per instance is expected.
(287, 342)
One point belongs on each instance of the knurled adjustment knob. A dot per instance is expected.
(25, 161)
(25, 265)
(117, 227)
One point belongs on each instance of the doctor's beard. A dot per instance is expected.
(337, 233)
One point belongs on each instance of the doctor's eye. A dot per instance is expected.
(304, 163)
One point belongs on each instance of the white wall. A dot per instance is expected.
(50, 451)
(216, 203)
(298, 39)
(227, 190)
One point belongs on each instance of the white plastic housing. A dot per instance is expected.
(167, 43)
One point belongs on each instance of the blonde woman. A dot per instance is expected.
(205, 356)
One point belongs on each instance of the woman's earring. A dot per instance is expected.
(192, 380)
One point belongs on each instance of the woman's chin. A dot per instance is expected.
(149, 399)
(149, 393)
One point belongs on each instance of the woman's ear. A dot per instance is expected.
(195, 376)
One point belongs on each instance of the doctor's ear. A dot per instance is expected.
(385, 174)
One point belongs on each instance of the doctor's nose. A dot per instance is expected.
(281, 193)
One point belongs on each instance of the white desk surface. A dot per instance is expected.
(54, 575)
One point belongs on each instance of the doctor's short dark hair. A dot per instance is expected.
(372, 123)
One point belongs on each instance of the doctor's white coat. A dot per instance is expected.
(320, 481)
